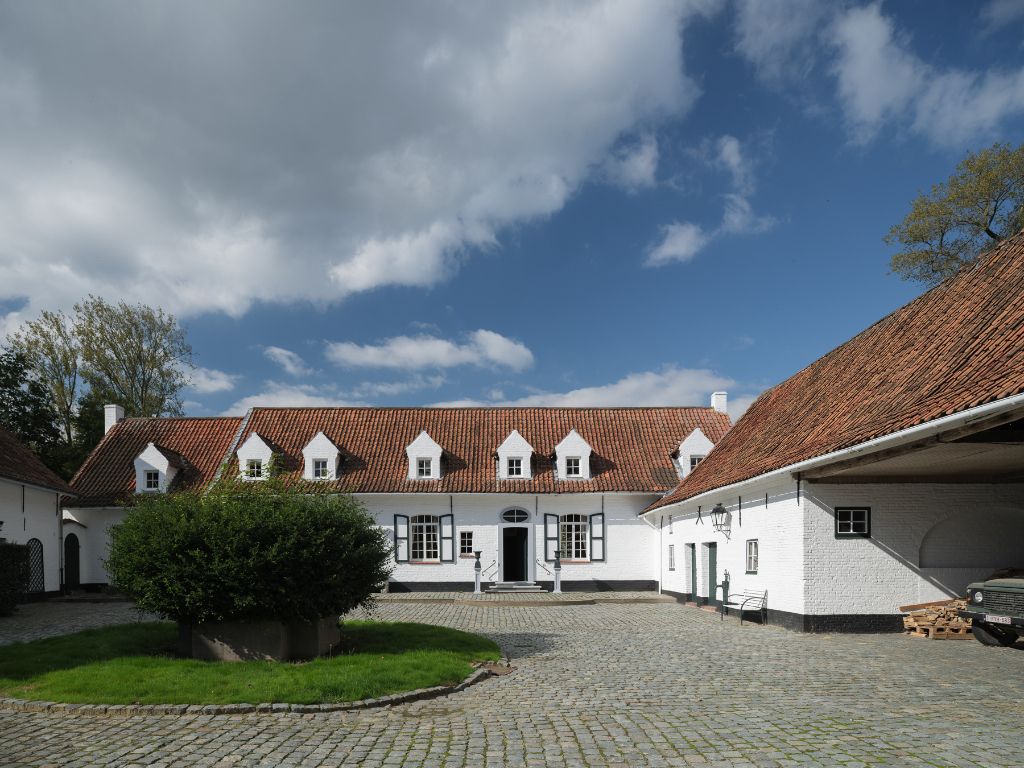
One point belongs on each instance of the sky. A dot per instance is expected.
(580, 203)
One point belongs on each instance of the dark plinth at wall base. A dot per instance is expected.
(840, 622)
(431, 586)
(597, 585)
(258, 640)
(680, 597)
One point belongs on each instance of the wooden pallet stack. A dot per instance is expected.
(936, 621)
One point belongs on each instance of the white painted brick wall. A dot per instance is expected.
(37, 521)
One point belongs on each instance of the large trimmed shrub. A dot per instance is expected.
(249, 551)
(13, 575)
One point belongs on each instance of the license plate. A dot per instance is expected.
(992, 619)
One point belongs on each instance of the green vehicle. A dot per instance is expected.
(996, 608)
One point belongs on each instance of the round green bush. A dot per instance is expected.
(249, 551)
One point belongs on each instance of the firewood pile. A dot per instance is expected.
(936, 621)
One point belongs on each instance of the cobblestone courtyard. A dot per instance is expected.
(605, 684)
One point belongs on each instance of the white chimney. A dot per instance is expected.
(720, 401)
(111, 415)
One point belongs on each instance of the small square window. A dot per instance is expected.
(254, 469)
(320, 470)
(152, 480)
(751, 555)
(694, 461)
(671, 557)
(572, 466)
(853, 522)
(423, 468)
(466, 543)
(515, 467)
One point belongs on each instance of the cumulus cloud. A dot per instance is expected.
(206, 381)
(635, 165)
(997, 14)
(681, 241)
(206, 156)
(283, 394)
(777, 36)
(482, 348)
(375, 389)
(290, 362)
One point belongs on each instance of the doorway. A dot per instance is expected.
(514, 553)
(691, 555)
(72, 573)
(712, 573)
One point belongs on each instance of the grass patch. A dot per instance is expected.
(135, 664)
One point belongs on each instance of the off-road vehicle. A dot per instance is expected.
(996, 608)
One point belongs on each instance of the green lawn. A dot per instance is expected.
(135, 663)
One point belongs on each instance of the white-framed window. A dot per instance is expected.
(426, 540)
(320, 469)
(514, 468)
(671, 557)
(572, 466)
(254, 469)
(670, 523)
(466, 543)
(853, 522)
(573, 537)
(515, 515)
(751, 555)
(424, 467)
(152, 480)
(694, 461)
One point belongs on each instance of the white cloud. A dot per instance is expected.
(880, 80)
(206, 381)
(282, 394)
(398, 142)
(290, 362)
(375, 389)
(777, 36)
(681, 241)
(999, 13)
(634, 166)
(483, 348)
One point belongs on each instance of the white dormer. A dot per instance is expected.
(514, 458)
(155, 469)
(692, 451)
(322, 458)
(254, 457)
(572, 458)
(424, 458)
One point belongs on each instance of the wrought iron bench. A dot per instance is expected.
(748, 600)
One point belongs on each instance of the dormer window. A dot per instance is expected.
(572, 457)
(320, 469)
(515, 467)
(694, 461)
(321, 458)
(424, 468)
(152, 480)
(254, 469)
(572, 466)
(513, 459)
(156, 468)
(691, 452)
(254, 458)
(424, 455)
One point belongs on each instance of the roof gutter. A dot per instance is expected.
(893, 440)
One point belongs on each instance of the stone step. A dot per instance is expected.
(515, 587)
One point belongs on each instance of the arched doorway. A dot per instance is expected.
(72, 572)
(36, 574)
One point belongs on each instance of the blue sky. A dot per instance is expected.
(607, 203)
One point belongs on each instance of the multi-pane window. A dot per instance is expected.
(853, 521)
(694, 461)
(425, 545)
(465, 542)
(423, 468)
(320, 470)
(254, 469)
(152, 480)
(671, 557)
(572, 466)
(515, 516)
(751, 555)
(515, 467)
(572, 538)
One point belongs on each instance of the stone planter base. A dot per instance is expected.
(258, 640)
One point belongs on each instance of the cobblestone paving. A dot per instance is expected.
(612, 684)
(35, 621)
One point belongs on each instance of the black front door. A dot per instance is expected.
(514, 553)
(72, 577)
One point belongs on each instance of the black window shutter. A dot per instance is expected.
(597, 538)
(550, 537)
(401, 538)
(447, 523)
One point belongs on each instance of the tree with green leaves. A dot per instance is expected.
(25, 408)
(137, 354)
(976, 208)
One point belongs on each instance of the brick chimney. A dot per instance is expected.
(720, 401)
(111, 415)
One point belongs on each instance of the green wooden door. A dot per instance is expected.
(693, 571)
(712, 573)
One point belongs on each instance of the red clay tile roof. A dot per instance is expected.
(958, 346)
(18, 463)
(632, 446)
(107, 478)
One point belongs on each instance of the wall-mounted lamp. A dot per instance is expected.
(720, 519)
